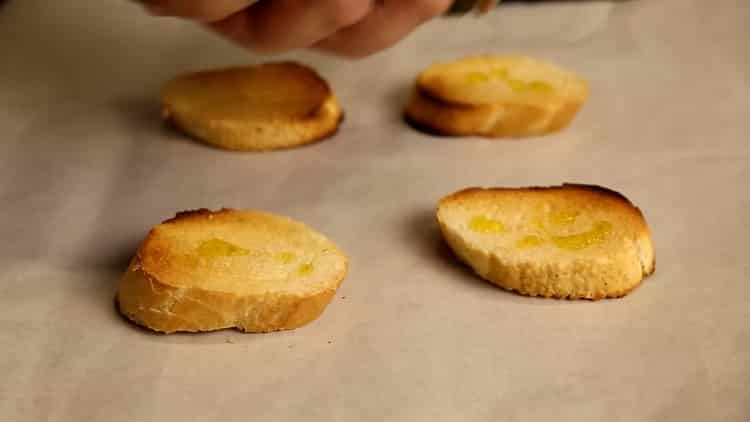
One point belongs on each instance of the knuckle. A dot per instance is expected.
(427, 9)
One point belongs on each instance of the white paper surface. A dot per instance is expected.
(86, 168)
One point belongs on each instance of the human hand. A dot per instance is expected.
(351, 28)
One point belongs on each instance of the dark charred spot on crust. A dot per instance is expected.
(459, 194)
(188, 213)
(313, 113)
(598, 189)
(201, 212)
(595, 189)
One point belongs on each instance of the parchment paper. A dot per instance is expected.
(86, 168)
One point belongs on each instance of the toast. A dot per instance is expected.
(253, 108)
(570, 241)
(250, 270)
(495, 97)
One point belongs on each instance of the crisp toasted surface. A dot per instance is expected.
(570, 241)
(496, 96)
(253, 108)
(207, 270)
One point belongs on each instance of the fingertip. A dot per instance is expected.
(239, 29)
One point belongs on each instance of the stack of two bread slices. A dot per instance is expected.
(571, 241)
(495, 97)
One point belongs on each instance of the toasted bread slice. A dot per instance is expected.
(209, 270)
(495, 96)
(570, 241)
(253, 108)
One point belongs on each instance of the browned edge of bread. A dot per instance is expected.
(170, 122)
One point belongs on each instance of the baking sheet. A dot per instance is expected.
(86, 168)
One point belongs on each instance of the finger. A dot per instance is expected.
(382, 28)
(198, 10)
(279, 25)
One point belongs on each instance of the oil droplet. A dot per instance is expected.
(537, 224)
(516, 85)
(476, 77)
(503, 75)
(563, 218)
(500, 73)
(597, 235)
(539, 86)
(285, 257)
(481, 224)
(216, 248)
(305, 269)
(528, 242)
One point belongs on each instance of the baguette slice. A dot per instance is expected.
(209, 270)
(570, 241)
(496, 97)
(253, 108)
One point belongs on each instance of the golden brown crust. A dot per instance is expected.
(578, 279)
(253, 108)
(152, 294)
(591, 191)
(571, 296)
(495, 97)
(490, 121)
(182, 216)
